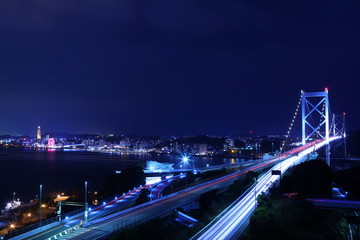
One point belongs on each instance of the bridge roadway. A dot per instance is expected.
(234, 219)
(99, 228)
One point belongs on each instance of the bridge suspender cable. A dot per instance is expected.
(292, 123)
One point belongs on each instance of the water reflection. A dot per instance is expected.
(40, 167)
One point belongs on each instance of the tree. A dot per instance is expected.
(278, 217)
(309, 179)
(129, 178)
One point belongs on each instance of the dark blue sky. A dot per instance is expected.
(173, 67)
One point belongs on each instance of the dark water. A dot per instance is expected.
(60, 171)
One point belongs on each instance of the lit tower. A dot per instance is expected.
(38, 133)
(311, 102)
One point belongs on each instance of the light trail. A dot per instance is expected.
(150, 210)
(234, 218)
(156, 190)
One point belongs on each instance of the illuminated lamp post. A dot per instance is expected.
(185, 160)
(255, 191)
(40, 203)
(12, 226)
(86, 203)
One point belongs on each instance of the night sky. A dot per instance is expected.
(173, 67)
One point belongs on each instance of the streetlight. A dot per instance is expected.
(185, 160)
(18, 207)
(255, 191)
(86, 203)
(12, 226)
(40, 203)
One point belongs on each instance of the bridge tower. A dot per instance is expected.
(338, 125)
(338, 128)
(315, 120)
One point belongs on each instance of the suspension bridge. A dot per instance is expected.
(319, 130)
(316, 127)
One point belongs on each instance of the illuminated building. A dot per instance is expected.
(38, 133)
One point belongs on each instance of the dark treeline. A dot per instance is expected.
(283, 218)
(353, 143)
(309, 179)
(132, 176)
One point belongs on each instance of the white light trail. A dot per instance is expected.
(235, 217)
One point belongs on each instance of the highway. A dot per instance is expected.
(112, 206)
(106, 208)
(99, 228)
(235, 218)
(142, 213)
(157, 189)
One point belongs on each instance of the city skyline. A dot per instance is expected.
(135, 68)
(179, 119)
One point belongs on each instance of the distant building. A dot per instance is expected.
(158, 167)
(38, 133)
(202, 149)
